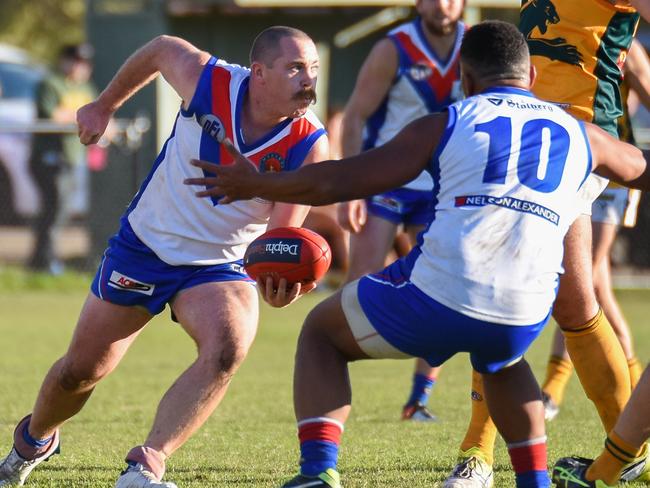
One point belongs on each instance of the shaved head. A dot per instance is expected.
(266, 46)
(495, 50)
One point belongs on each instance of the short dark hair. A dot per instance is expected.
(77, 52)
(495, 50)
(266, 46)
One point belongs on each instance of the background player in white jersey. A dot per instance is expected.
(414, 71)
(484, 275)
(175, 249)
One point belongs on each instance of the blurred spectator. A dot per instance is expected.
(58, 162)
(19, 76)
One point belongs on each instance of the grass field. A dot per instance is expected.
(250, 440)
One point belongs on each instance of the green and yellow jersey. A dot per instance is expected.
(579, 48)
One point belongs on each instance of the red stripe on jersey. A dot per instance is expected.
(440, 85)
(273, 157)
(221, 106)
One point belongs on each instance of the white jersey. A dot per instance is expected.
(166, 215)
(508, 172)
(423, 84)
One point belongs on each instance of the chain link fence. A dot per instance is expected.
(53, 218)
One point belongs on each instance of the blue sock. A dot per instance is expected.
(421, 389)
(34, 442)
(317, 456)
(533, 479)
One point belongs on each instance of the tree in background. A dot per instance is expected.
(42, 27)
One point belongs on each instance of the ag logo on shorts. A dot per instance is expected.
(420, 71)
(123, 282)
(213, 126)
(272, 162)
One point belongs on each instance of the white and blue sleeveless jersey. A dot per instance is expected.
(507, 175)
(166, 215)
(423, 84)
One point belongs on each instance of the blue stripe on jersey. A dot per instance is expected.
(434, 169)
(143, 186)
(210, 150)
(299, 151)
(583, 128)
(422, 87)
(508, 90)
(202, 99)
(434, 163)
(243, 147)
(374, 124)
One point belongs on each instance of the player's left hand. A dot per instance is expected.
(236, 181)
(281, 296)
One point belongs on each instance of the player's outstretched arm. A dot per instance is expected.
(176, 59)
(617, 160)
(389, 166)
(637, 72)
(643, 7)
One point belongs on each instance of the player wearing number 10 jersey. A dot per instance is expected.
(484, 274)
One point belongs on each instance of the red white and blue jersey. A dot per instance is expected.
(166, 215)
(508, 173)
(423, 84)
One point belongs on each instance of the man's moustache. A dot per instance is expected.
(311, 94)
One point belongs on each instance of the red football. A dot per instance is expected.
(297, 254)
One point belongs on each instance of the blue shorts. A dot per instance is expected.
(131, 274)
(403, 206)
(392, 318)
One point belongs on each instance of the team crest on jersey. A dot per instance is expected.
(420, 71)
(272, 163)
(126, 283)
(213, 126)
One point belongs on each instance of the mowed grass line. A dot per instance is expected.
(251, 439)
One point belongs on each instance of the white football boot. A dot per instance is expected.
(14, 469)
(470, 472)
(137, 476)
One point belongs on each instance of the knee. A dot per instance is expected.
(75, 378)
(226, 354)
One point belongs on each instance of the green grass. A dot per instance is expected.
(251, 439)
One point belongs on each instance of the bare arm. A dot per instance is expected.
(617, 160)
(643, 7)
(637, 72)
(290, 214)
(373, 83)
(389, 166)
(176, 59)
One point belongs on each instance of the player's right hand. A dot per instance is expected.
(352, 215)
(92, 120)
(282, 296)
